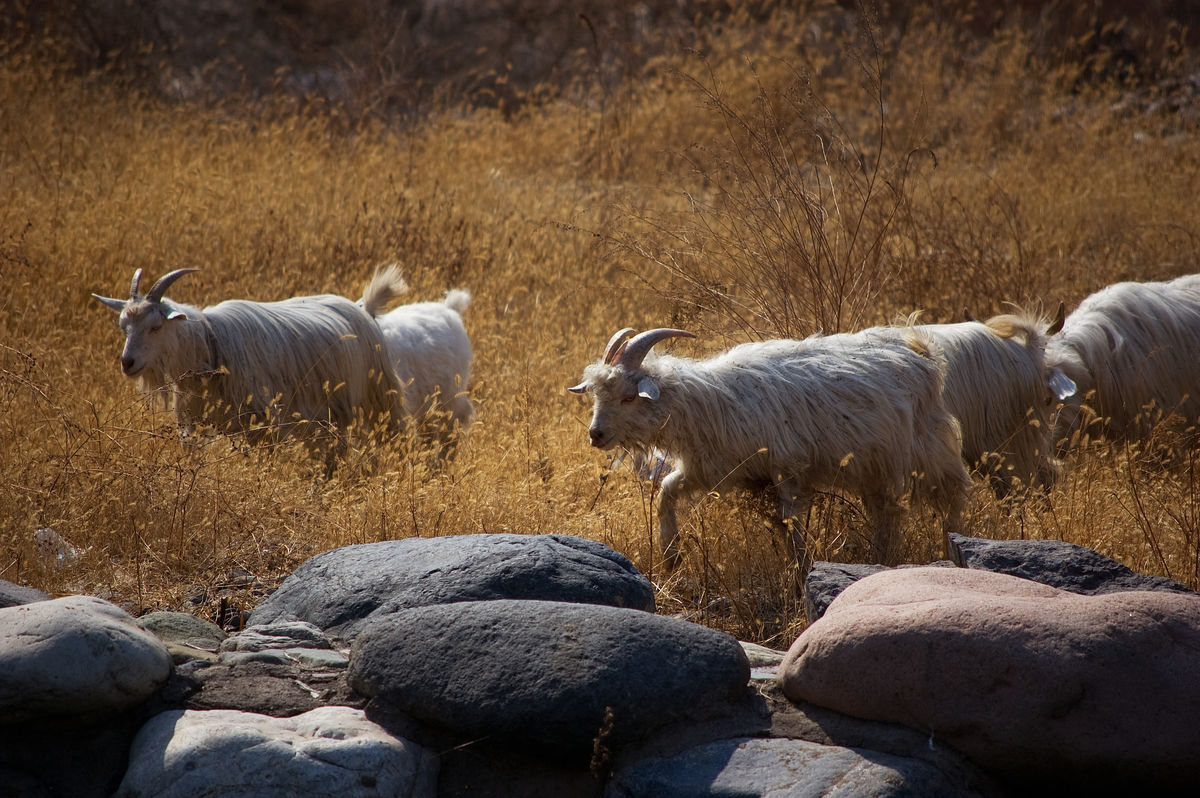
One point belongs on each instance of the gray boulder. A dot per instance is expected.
(12, 595)
(75, 674)
(1066, 566)
(328, 751)
(341, 590)
(826, 580)
(186, 636)
(565, 678)
(76, 657)
(1038, 685)
(781, 768)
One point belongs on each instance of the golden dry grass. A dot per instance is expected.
(725, 192)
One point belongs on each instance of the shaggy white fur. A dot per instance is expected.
(998, 387)
(431, 354)
(860, 412)
(302, 366)
(1133, 350)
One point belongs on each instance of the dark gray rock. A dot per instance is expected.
(186, 636)
(279, 688)
(764, 711)
(1066, 566)
(56, 757)
(825, 580)
(342, 589)
(781, 768)
(566, 678)
(12, 595)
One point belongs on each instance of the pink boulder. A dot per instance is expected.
(1036, 684)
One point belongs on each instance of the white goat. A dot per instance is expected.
(1133, 350)
(430, 352)
(999, 388)
(305, 366)
(861, 412)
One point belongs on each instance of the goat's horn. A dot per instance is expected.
(614, 344)
(1059, 317)
(133, 287)
(639, 346)
(164, 282)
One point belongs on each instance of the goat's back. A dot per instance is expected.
(858, 408)
(318, 358)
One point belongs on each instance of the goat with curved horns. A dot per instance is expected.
(297, 366)
(861, 412)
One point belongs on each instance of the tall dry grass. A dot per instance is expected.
(788, 174)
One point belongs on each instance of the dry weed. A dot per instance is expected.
(917, 175)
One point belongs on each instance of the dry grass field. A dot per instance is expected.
(785, 174)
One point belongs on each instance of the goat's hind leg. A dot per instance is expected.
(794, 504)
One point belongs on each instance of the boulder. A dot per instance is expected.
(12, 595)
(75, 674)
(327, 751)
(1038, 685)
(77, 657)
(781, 768)
(826, 580)
(1056, 563)
(341, 590)
(186, 636)
(565, 678)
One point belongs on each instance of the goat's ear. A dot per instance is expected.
(176, 315)
(116, 305)
(580, 388)
(647, 389)
(1061, 385)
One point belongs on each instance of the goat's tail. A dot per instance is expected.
(457, 300)
(385, 287)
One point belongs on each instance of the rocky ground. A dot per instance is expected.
(509, 665)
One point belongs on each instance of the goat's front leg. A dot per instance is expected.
(883, 512)
(794, 504)
(668, 524)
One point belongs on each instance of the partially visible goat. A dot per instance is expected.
(1133, 350)
(859, 412)
(306, 366)
(1001, 391)
(431, 354)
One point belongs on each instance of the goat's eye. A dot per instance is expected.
(626, 400)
